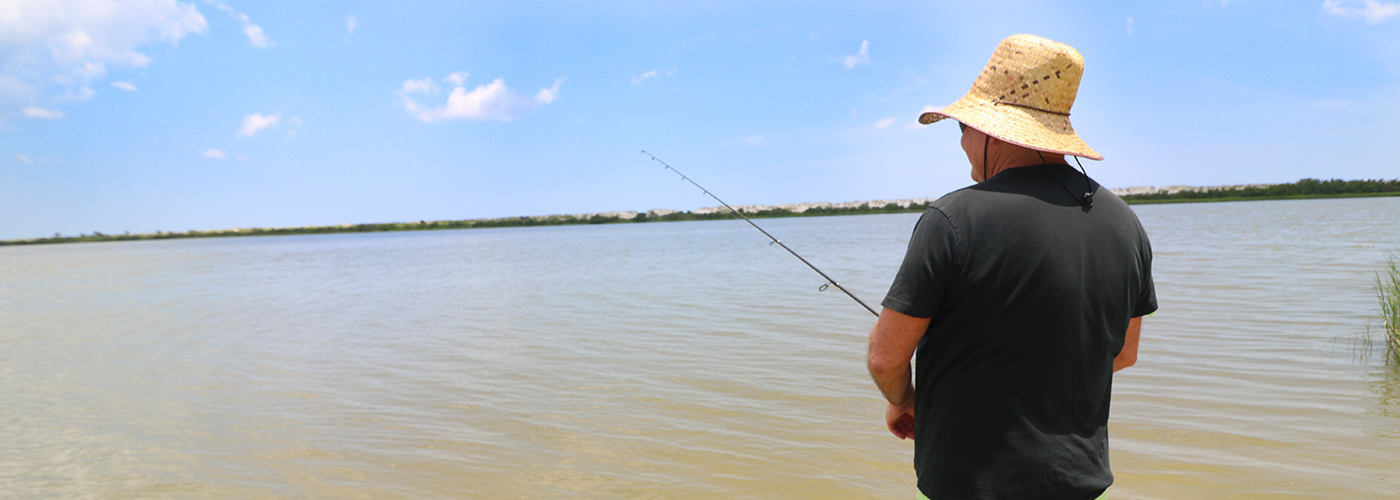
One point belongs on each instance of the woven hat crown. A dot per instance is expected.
(1024, 95)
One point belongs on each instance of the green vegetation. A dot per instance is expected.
(542, 220)
(1306, 188)
(1388, 291)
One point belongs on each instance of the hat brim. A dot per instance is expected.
(1030, 128)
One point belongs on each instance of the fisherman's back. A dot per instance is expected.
(1029, 293)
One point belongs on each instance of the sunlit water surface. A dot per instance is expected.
(664, 360)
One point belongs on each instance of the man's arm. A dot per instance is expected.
(1128, 356)
(892, 344)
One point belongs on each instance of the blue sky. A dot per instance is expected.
(145, 115)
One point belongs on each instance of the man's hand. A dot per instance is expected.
(900, 420)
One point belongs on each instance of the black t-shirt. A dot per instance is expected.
(1030, 293)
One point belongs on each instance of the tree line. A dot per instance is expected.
(1305, 188)
(523, 221)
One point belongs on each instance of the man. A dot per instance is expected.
(1022, 294)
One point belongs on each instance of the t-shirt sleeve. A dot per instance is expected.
(929, 268)
(1147, 295)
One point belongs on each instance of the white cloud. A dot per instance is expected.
(458, 78)
(861, 57)
(1373, 10)
(546, 96)
(653, 73)
(215, 154)
(351, 22)
(41, 113)
(254, 32)
(1130, 26)
(492, 101)
(256, 36)
(127, 86)
(885, 123)
(51, 50)
(255, 122)
(424, 86)
(24, 159)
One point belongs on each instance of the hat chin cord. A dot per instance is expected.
(1087, 199)
(985, 143)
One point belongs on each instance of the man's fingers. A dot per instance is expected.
(903, 427)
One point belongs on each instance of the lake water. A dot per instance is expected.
(682, 360)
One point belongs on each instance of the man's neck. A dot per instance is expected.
(1004, 156)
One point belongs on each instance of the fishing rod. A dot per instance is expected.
(829, 281)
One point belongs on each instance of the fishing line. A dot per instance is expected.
(829, 281)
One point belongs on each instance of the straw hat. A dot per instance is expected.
(1023, 97)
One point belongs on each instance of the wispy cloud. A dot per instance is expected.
(296, 127)
(52, 50)
(76, 95)
(861, 57)
(255, 122)
(351, 22)
(644, 76)
(215, 154)
(885, 123)
(1373, 11)
(24, 159)
(255, 33)
(546, 96)
(1130, 26)
(424, 86)
(127, 86)
(491, 101)
(458, 78)
(42, 114)
(752, 140)
(256, 36)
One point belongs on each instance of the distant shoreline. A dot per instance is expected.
(1261, 198)
(1303, 189)
(625, 217)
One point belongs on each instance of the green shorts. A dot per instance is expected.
(1104, 496)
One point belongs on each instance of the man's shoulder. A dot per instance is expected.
(986, 196)
(1027, 188)
(961, 199)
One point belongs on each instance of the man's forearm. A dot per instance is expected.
(892, 344)
(894, 383)
(1128, 356)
